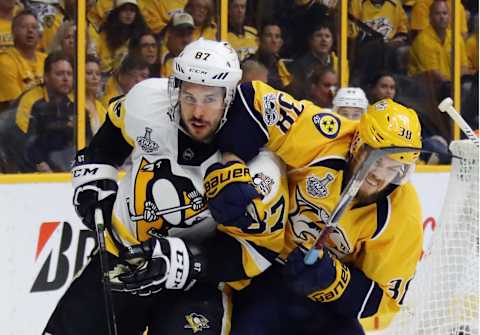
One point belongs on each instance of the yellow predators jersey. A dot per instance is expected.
(157, 13)
(388, 19)
(245, 44)
(163, 189)
(381, 242)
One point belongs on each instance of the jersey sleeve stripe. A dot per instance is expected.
(359, 315)
(260, 262)
(384, 210)
(362, 297)
(337, 164)
(250, 93)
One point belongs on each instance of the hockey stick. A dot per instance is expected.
(104, 268)
(350, 191)
(446, 106)
(169, 210)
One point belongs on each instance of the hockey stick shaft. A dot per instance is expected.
(104, 268)
(446, 106)
(349, 192)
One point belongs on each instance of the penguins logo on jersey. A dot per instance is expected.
(196, 322)
(163, 199)
(263, 183)
(327, 124)
(307, 221)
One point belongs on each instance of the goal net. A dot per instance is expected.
(443, 298)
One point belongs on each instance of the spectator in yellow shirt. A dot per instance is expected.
(8, 9)
(472, 52)
(96, 112)
(243, 38)
(203, 13)
(419, 17)
(132, 71)
(122, 23)
(180, 33)
(21, 67)
(431, 49)
(158, 13)
(386, 17)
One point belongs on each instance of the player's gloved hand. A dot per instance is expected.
(154, 265)
(95, 186)
(229, 190)
(323, 281)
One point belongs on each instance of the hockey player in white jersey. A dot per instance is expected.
(171, 265)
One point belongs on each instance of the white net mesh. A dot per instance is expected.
(443, 298)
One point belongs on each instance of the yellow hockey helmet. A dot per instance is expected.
(389, 124)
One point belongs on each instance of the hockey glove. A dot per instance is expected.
(230, 190)
(95, 186)
(154, 265)
(324, 281)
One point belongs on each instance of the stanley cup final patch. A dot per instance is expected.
(146, 143)
(327, 124)
(318, 187)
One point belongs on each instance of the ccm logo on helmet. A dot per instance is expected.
(198, 71)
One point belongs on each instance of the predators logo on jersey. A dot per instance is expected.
(327, 124)
(196, 322)
(169, 200)
(306, 226)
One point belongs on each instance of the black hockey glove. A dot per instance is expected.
(154, 265)
(324, 281)
(95, 186)
(230, 190)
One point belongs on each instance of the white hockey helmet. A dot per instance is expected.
(209, 63)
(350, 97)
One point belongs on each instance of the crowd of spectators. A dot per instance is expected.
(399, 49)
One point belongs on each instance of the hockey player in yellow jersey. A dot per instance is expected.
(172, 265)
(370, 258)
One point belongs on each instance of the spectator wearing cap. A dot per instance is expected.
(180, 33)
(243, 38)
(430, 52)
(21, 67)
(271, 42)
(132, 71)
(350, 102)
(146, 46)
(203, 12)
(8, 9)
(320, 53)
(123, 23)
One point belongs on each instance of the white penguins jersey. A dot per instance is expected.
(163, 187)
